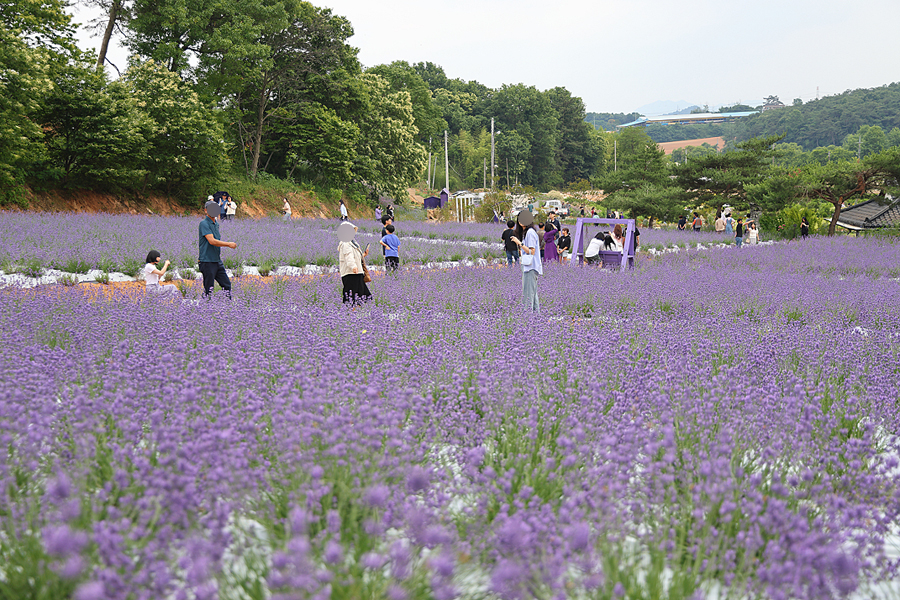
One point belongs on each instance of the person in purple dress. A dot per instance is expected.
(550, 251)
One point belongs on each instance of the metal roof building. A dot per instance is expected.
(689, 119)
(871, 214)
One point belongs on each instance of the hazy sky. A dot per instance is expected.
(618, 55)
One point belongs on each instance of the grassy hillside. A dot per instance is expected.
(254, 199)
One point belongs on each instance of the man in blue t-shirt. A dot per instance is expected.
(210, 259)
(391, 245)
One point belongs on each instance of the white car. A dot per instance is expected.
(557, 206)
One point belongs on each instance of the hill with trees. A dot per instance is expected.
(263, 90)
(829, 120)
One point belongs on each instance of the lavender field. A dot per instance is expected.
(715, 424)
(33, 243)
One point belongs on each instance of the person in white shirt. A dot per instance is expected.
(592, 254)
(530, 248)
(344, 216)
(230, 208)
(286, 210)
(753, 234)
(153, 276)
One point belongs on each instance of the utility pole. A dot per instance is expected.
(428, 180)
(492, 154)
(615, 155)
(484, 174)
(446, 164)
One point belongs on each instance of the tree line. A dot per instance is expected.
(762, 176)
(254, 87)
(263, 88)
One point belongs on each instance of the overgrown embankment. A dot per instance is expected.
(254, 200)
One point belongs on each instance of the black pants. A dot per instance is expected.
(392, 262)
(214, 272)
(355, 288)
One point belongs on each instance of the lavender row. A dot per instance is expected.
(77, 243)
(714, 423)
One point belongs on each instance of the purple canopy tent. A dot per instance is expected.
(578, 242)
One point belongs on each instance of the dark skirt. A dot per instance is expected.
(355, 289)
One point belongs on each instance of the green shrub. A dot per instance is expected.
(265, 269)
(106, 264)
(131, 266)
(68, 280)
(231, 261)
(326, 261)
(456, 257)
(297, 261)
(102, 277)
(76, 265)
(34, 267)
(170, 275)
(237, 271)
(187, 274)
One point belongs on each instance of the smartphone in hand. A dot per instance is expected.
(367, 247)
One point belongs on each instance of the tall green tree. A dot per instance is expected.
(96, 135)
(34, 36)
(426, 114)
(642, 185)
(185, 151)
(212, 42)
(838, 182)
(307, 57)
(718, 179)
(576, 155)
(528, 112)
(388, 158)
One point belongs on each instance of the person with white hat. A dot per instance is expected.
(529, 244)
(351, 265)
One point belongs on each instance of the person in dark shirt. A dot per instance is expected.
(554, 220)
(564, 244)
(682, 222)
(739, 233)
(210, 260)
(512, 250)
(385, 221)
(804, 228)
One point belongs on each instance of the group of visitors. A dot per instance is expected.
(226, 205)
(555, 243)
(727, 225)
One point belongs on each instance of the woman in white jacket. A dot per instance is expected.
(350, 261)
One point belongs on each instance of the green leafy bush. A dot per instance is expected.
(34, 267)
(131, 266)
(76, 265)
(68, 280)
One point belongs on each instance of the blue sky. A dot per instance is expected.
(618, 55)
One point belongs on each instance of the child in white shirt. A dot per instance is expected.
(153, 276)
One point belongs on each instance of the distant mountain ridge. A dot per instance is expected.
(666, 107)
